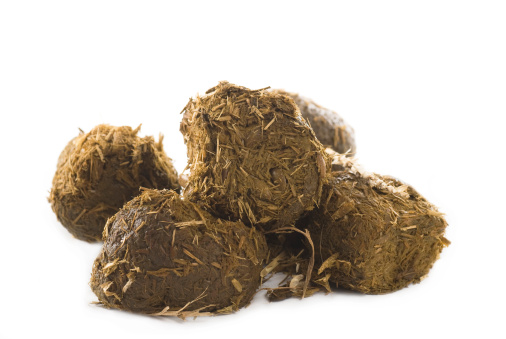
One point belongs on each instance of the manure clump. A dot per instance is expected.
(252, 156)
(329, 127)
(372, 233)
(99, 171)
(163, 255)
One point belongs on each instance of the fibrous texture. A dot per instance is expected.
(163, 255)
(330, 128)
(99, 171)
(372, 233)
(252, 157)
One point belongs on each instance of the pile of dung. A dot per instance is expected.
(99, 171)
(252, 156)
(330, 128)
(261, 196)
(372, 233)
(163, 255)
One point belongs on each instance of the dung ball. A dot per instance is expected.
(373, 233)
(164, 255)
(252, 157)
(99, 171)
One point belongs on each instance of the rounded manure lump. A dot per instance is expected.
(252, 157)
(99, 171)
(163, 255)
(372, 233)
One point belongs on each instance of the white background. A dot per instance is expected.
(422, 82)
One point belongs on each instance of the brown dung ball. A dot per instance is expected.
(164, 255)
(372, 233)
(330, 128)
(99, 171)
(252, 157)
